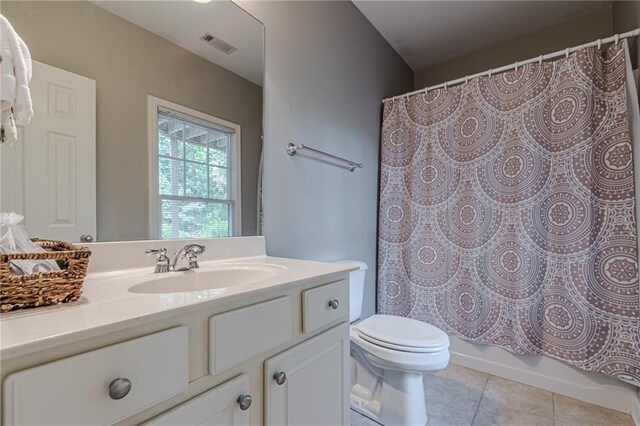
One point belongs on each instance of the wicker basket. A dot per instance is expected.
(44, 288)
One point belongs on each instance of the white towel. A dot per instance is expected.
(15, 75)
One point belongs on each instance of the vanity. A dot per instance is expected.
(243, 339)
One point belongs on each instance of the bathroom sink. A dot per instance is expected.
(205, 279)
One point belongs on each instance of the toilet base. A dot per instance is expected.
(387, 396)
(404, 401)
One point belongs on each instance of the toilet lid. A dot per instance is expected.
(400, 347)
(402, 333)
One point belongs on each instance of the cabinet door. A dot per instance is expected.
(219, 406)
(314, 389)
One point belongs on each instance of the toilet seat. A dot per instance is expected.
(401, 348)
(399, 360)
(402, 334)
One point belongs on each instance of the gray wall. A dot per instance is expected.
(626, 17)
(129, 63)
(327, 70)
(572, 33)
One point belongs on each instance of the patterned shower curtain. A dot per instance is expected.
(507, 212)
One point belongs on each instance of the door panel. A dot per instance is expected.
(315, 391)
(49, 174)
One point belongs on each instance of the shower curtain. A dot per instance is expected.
(507, 212)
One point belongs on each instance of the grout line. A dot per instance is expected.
(366, 417)
(484, 388)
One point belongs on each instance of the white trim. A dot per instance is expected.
(153, 103)
(635, 409)
(545, 373)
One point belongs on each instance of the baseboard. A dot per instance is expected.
(548, 374)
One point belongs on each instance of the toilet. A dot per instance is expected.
(389, 356)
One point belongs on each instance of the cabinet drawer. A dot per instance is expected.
(237, 336)
(317, 309)
(218, 406)
(76, 390)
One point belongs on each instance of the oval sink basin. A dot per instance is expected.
(199, 279)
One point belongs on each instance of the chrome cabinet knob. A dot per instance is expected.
(119, 388)
(244, 401)
(280, 377)
(86, 238)
(334, 303)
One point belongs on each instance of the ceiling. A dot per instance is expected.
(183, 22)
(428, 32)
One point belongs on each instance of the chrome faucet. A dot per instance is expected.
(163, 264)
(184, 260)
(187, 257)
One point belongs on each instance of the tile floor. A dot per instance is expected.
(459, 396)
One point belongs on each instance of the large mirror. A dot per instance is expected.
(148, 120)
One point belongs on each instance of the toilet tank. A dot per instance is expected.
(356, 288)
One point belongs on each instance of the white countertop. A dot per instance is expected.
(107, 306)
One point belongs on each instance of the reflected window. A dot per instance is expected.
(196, 174)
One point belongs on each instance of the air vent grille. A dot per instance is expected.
(218, 43)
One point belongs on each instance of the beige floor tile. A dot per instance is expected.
(435, 421)
(358, 419)
(513, 404)
(453, 395)
(571, 412)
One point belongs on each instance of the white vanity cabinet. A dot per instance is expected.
(308, 384)
(279, 357)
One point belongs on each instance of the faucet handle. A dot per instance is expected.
(160, 251)
(193, 261)
(163, 263)
(193, 251)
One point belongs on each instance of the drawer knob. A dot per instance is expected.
(280, 377)
(119, 388)
(334, 303)
(244, 401)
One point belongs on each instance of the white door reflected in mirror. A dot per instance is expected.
(49, 174)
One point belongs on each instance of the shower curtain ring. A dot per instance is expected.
(516, 67)
(445, 85)
(567, 52)
(466, 79)
(490, 72)
(540, 60)
(599, 43)
(616, 38)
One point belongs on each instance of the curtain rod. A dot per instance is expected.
(615, 38)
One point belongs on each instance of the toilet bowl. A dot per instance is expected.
(389, 356)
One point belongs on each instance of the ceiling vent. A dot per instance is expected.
(218, 43)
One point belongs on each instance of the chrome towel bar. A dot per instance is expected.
(293, 148)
